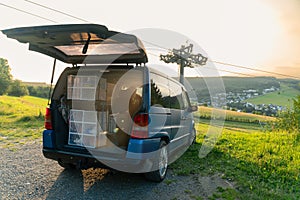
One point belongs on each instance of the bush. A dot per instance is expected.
(290, 119)
(38, 91)
(5, 76)
(17, 89)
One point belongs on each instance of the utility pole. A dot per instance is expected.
(184, 58)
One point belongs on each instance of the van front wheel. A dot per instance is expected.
(162, 164)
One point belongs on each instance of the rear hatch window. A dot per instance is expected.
(81, 43)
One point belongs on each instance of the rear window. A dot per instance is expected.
(99, 49)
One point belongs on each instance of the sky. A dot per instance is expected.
(261, 34)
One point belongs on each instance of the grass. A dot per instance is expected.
(238, 126)
(282, 97)
(262, 165)
(21, 119)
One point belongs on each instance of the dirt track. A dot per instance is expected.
(26, 174)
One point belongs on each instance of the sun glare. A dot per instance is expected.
(249, 31)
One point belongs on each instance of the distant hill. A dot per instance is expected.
(282, 97)
(238, 84)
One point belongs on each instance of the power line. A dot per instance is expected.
(236, 66)
(161, 47)
(184, 58)
(215, 69)
(63, 13)
(29, 13)
(223, 70)
(253, 69)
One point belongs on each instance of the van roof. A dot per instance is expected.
(81, 43)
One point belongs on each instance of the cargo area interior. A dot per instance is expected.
(81, 107)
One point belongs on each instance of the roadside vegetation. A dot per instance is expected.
(260, 165)
(21, 119)
(290, 119)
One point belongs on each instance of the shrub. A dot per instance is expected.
(290, 119)
(38, 91)
(5, 76)
(17, 89)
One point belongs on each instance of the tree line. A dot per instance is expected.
(14, 87)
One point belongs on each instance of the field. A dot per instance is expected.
(208, 113)
(282, 97)
(260, 164)
(21, 119)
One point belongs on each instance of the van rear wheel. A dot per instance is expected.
(162, 164)
(193, 137)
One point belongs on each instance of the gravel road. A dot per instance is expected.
(26, 174)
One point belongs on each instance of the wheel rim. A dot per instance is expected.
(163, 161)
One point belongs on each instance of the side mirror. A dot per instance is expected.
(193, 109)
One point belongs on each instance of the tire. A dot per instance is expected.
(66, 165)
(193, 137)
(162, 165)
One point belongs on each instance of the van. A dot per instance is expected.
(110, 109)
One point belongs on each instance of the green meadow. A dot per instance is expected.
(282, 97)
(21, 119)
(261, 164)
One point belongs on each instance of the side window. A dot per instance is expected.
(176, 98)
(159, 91)
(186, 102)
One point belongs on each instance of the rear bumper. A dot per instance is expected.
(84, 161)
(140, 156)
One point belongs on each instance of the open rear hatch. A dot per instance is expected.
(81, 104)
(81, 43)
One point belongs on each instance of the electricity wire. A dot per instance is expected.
(55, 10)
(29, 13)
(151, 43)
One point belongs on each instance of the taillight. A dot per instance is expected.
(140, 126)
(48, 122)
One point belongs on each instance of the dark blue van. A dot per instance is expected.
(110, 109)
